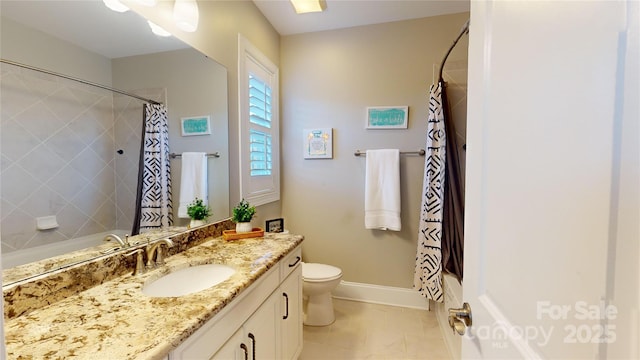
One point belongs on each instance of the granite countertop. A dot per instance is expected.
(115, 320)
(25, 271)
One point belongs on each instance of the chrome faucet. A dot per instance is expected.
(154, 248)
(123, 243)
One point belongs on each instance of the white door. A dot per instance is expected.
(552, 180)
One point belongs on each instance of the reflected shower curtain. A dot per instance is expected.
(153, 200)
(428, 268)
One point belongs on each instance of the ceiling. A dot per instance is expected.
(91, 25)
(348, 13)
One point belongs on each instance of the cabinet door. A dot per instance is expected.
(233, 349)
(262, 330)
(291, 315)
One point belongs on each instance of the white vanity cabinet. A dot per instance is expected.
(235, 348)
(258, 336)
(264, 322)
(291, 319)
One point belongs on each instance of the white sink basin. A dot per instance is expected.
(188, 280)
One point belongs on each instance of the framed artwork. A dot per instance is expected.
(196, 125)
(387, 117)
(318, 143)
(275, 225)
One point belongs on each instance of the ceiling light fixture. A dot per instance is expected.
(185, 14)
(158, 30)
(115, 5)
(308, 6)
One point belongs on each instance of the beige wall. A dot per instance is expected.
(327, 80)
(217, 37)
(27, 45)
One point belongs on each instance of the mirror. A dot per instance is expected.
(71, 150)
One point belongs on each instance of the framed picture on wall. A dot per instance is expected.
(387, 117)
(196, 125)
(318, 143)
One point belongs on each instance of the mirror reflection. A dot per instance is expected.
(70, 151)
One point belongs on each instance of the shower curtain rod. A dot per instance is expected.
(464, 30)
(78, 80)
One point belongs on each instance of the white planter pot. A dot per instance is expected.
(196, 223)
(243, 227)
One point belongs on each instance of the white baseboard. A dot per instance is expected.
(377, 294)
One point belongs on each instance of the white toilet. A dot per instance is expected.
(318, 280)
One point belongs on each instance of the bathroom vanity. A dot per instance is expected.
(264, 322)
(256, 312)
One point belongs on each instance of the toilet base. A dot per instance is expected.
(319, 310)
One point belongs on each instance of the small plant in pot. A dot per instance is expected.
(198, 212)
(242, 215)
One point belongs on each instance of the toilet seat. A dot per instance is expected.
(319, 272)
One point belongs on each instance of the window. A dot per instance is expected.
(259, 125)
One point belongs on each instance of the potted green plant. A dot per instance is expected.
(198, 212)
(242, 215)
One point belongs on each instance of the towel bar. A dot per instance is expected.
(421, 152)
(215, 154)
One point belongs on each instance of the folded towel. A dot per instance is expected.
(193, 181)
(382, 190)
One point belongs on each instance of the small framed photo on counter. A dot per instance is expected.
(275, 225)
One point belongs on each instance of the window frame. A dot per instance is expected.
(257, 189)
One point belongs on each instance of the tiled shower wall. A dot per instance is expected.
(58, 157)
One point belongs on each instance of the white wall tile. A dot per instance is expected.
(61, 134)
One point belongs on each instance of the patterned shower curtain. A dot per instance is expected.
(153, 201)
(428, 269)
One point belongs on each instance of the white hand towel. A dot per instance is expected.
(193, 181)
(382, 190)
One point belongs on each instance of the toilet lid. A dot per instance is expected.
(313, 271)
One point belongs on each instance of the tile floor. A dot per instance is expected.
(372, 331)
